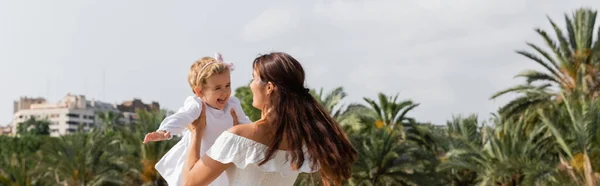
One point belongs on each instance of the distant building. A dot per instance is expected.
(65, 117)
(25, 103)
(7, 130)
(128, 117)
(128, 109)
(73, 112)
(135, 104)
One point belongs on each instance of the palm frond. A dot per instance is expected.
(545, 54)
(539, 61)
(533, 76)
(566, 51)
(552, 46)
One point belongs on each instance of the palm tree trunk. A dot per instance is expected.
(589, 173)
(569, 169)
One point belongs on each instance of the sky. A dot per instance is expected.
(449, 56)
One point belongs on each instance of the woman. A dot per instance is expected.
(294, 135)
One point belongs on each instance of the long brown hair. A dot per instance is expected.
(301, 122)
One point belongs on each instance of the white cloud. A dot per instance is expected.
(271, 22)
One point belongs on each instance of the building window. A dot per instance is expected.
(53, 130)
(72, 123)
(91, 117)
(73, 115)
(71, 130)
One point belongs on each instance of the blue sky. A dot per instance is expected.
(448, 55)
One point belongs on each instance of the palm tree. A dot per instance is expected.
(142, 157)
(391, 112)
(34, 127)
(109, 120)
(428, 144)
(382, 160)
(463, 134)
(84, 159)
(577, 134)
(576, 63)
(502, 156)
(19, 160)
(330, 101)
(351, 116)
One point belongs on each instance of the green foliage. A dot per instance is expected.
(34, 127)
(573, 63)
(245, 96)
(390, 111)
(108, 155)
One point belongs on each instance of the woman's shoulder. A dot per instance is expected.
(245, 135)
(234, 144)
(238, 145)
(243, 130)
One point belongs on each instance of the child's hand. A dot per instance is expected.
(157, 136)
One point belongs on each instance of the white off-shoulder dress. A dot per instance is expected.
(245, 155)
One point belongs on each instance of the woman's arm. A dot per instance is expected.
(198, 171)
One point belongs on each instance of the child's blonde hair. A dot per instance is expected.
(203, 69)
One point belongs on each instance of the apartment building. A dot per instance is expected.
(66, 116)
(6, 130)
(26, 102)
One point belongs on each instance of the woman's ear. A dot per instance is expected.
(270, 88)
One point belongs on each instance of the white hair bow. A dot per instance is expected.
(219, 59)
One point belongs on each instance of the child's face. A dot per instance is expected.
(217, 90)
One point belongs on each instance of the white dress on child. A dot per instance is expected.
(171, 164)
(245, 155)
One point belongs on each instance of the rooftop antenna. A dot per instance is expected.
(103, 83)
(47, 88)
(85, 87)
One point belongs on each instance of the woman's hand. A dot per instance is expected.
(199, 124)
(203, 171)
(235, 119)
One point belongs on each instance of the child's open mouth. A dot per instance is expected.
(221, 101)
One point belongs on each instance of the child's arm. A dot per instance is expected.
(241, 115)
(175, 124)
(178, 122)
